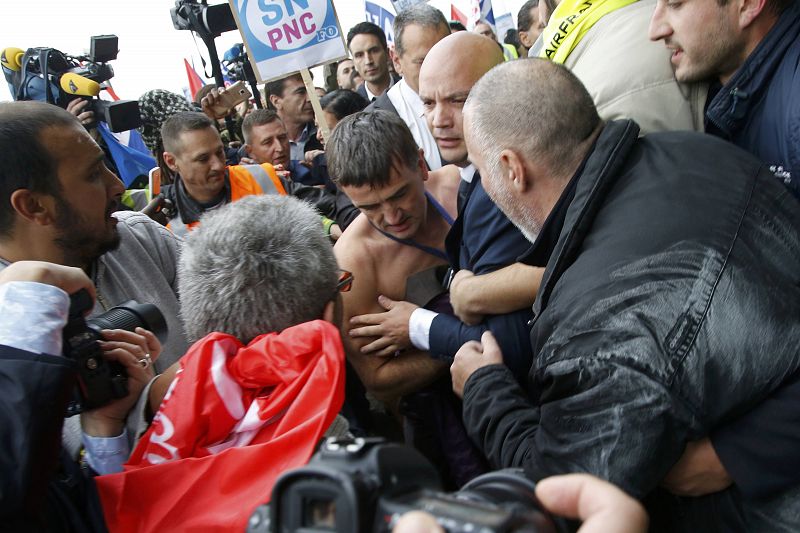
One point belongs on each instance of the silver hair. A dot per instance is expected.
(547, 121)
(421, 14)
(258, 265)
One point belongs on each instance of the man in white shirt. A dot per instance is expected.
(416, 30)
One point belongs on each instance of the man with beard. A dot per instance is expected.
(57, 202)
(58, 198)
(670, 303)
(750, 51)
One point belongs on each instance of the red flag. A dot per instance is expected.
(234, 419)
(455, 14)
(111, 93)
(194, 80)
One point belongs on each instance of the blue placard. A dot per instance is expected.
(284, 36)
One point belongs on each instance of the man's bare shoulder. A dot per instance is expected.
(443, 184)
(361, 244)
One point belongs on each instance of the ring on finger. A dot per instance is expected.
(145, 361)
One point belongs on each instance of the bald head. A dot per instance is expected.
(552, 117)
(548, 128)
(449, 71)
(462, 51)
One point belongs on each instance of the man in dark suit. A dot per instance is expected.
(367, 44)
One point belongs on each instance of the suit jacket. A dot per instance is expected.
(382, 103)
(362, 90)
(482, 240)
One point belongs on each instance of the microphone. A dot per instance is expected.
(11, 58)
(11, 63)
(72, 83)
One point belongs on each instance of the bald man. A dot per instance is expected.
(481, 240)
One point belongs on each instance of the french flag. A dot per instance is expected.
(481, 10)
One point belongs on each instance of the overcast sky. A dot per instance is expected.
(151, 51)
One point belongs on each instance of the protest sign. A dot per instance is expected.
(285, 36)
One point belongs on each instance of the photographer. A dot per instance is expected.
(36, 492)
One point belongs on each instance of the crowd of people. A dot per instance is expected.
(584, 263)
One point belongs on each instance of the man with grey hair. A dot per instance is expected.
(416, 30)
(653, 323)
(264, 379)
(240, 276)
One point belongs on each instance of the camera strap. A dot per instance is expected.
(43, 60)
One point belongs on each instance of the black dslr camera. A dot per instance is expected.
(101, 381)
(364, 485)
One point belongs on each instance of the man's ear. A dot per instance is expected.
(34, 207)
(423, 165)
(395, 59)
(523, 38)
(274, 99)
(329, 313)
(334, 312)
(749, 11)
(512, 169)
(170, 161)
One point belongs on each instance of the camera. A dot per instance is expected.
(101, 381)
(235, 62)
(49, 75)
(363, 485)
(202, 18)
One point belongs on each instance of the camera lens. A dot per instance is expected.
(129, 316)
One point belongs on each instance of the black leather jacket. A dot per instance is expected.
(670, 305)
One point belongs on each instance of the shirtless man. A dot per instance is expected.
(401, 231)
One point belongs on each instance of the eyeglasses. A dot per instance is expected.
(345, 282)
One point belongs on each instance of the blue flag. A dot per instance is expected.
(132, 158)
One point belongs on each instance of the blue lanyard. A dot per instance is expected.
(427, 249)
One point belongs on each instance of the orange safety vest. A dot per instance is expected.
(245, 180)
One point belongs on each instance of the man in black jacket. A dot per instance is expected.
(670, 303)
